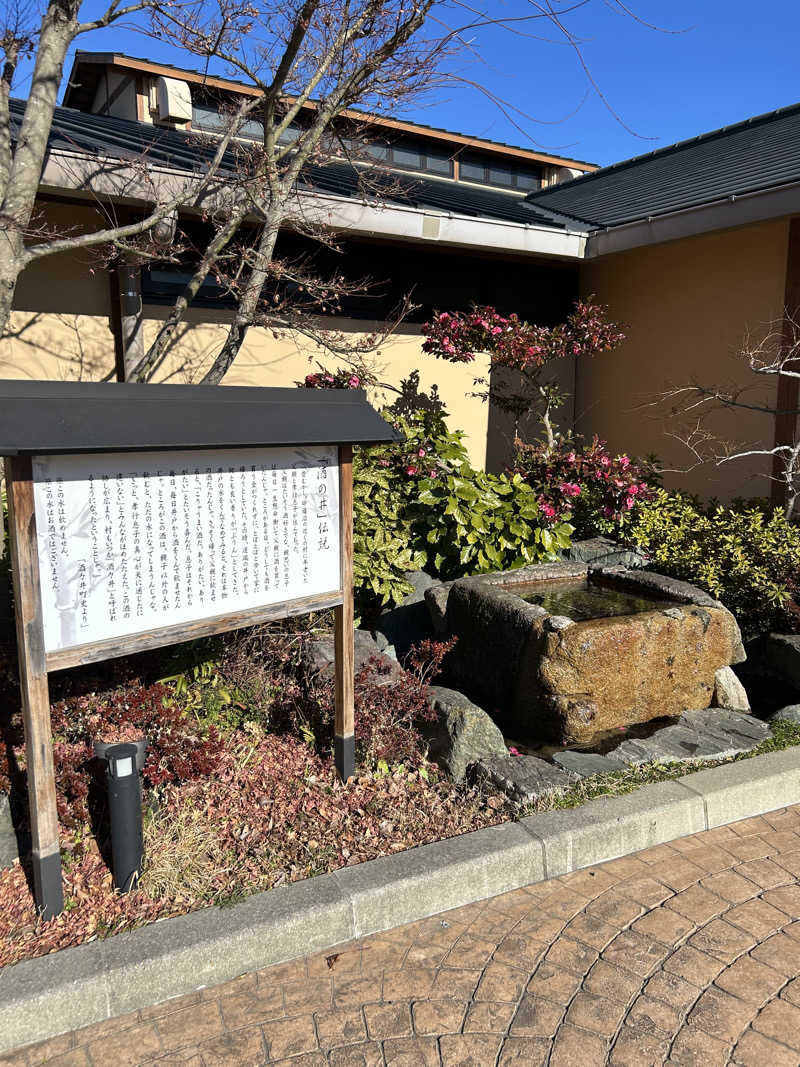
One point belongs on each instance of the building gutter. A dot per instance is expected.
(734, 210)
(428, 226)
(96, 179)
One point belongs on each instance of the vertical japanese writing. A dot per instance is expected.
(210, 533)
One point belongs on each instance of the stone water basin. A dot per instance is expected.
(563, 652)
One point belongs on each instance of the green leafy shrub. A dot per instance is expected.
(386, 483)
(746, 557)
(472, 522)
(382, 549)
(419, 503)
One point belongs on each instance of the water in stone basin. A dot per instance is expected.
(579, 600)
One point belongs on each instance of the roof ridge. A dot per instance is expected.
(701, 138)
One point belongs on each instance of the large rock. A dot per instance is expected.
(461, 734)
(318, 658)
(523, 778)
(410, 622)
(436, 599)
(791, 713)
(782, 656)
(566, 679)
(729, 691)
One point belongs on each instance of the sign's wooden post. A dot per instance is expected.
(46, 857)
(344, 742)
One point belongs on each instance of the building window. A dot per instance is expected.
(488, 171)
(408, 155)
(207, 119)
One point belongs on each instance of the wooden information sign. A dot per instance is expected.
(140, 516)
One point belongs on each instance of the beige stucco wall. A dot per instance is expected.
(61, 331)
(687, 305)
(268, 361)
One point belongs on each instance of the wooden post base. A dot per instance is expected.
(47, 885)
(344, 754)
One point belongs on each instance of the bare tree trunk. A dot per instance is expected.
(248, 305)
(166, 334)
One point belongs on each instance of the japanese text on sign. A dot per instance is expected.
(133, 541)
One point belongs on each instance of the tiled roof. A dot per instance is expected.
(101, 135)
(759, 154)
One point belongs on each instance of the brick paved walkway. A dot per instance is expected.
(683, 954)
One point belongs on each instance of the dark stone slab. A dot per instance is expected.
(523, 778)
(703, 734)
(587, 764)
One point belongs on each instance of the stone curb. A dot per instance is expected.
(44, 997)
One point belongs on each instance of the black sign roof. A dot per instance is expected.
(51, 417)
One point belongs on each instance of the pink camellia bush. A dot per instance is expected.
(519, 345)
(584, 483)
(524, 349)
(343, 378)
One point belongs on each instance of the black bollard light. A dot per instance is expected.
(125, 811)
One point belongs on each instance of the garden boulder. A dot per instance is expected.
(603, 552)
(410, 622)
(461, 734)
(8, 837)
(791, 713)
(782, 655)
(729, 691)
(318, 658)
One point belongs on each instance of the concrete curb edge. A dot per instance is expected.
(76, 987)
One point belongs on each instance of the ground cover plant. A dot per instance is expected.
(240, 790)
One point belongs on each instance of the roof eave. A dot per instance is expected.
(92, 177)
(725, 213)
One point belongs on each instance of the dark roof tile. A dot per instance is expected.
(125, 139)
(758, 154)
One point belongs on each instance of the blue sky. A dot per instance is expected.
(732, 59)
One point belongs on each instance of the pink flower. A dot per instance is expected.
(513, 751)
(606, 462)
(549, 511)
(411, 471)
(624, 462)
(633, 490)
(421, 452)
(496, 330)
(571, 457)
(629, 502)
(354, 381)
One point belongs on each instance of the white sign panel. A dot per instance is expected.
(134, 541)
